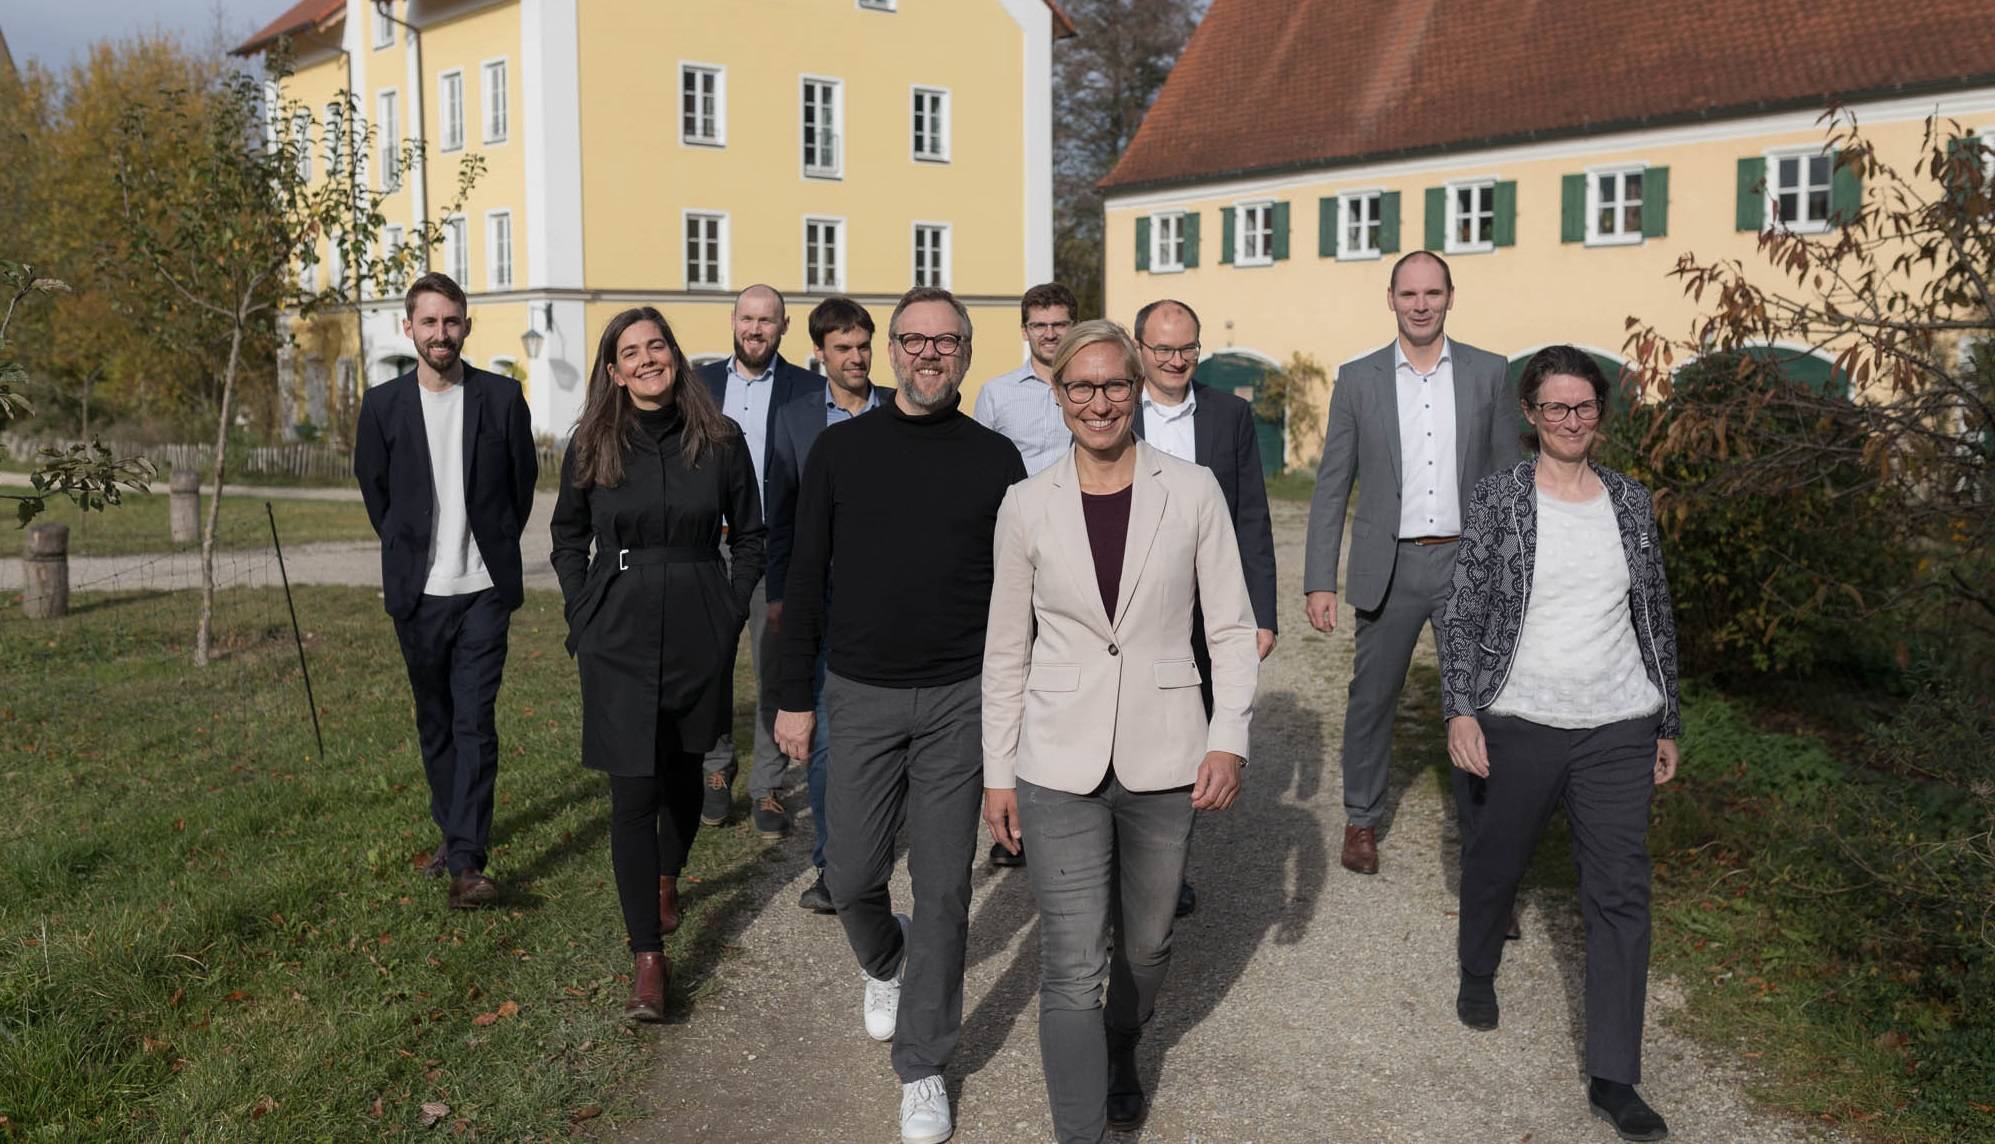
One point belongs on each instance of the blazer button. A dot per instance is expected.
(1113, 650)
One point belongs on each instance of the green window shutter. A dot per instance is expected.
(1752, 194)
(1655, 202)
(1143, 242)
(1226, 225)
(1326, 227)
(1503, 228)
(1190, 225)
(1280, 223)
(1437, 218)
(1572, 208)
(1388, 223)
(1963, 149)
(1845, 193)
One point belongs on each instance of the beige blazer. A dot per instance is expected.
(1066, 688)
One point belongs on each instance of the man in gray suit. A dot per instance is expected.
(1415, 424)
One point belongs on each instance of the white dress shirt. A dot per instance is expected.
(748, 403)
(456, 566)
(1429, 494)
(1169, 427)
(1024, 408)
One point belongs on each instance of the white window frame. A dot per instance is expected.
(301, 138)
(1985, 137)
(391, 244)
(457, 249)
(837, 168)
(308, 276)
(1266, 257)
(837, 281)
(720, 218)
(940, 135)
(879, 5)
(946, 253)
(387, 127)
(719, 74)
(384, 28)
(1159, 263)
(504, 119)
(450, 113)
(1772, 208)
(1487, 242)
(1594, 237)
(499, 271)
(1346, 202)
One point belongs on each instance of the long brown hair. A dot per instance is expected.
(609, 420)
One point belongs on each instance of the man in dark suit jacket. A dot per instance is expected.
(445, 459)
(753, 386)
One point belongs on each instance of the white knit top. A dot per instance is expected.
(456, 566)
(1577, 662)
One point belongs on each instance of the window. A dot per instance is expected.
(456, 250)
(706, 251)
(1358, 224)
(384, 27)
(1472, 218)
(1255, 235)
(1167, 242)
(702, 105)
(450, 108)
(931, 254)
(492, 85)
(388, 130)
(308, 276)
(931, 124)
(822, 119)
(349, 382)
(301, 139)
(499, 250)
(336, 265)
(824, 254)
(391, 252)
(1614, 206)
(1798, 187)
(878, 5)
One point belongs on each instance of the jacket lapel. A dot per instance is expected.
(1136, 423)
(413, 426)
(1466, 416)
(1070, 535)
(1146, 512)
(1387, 392)
(1204, 429)
(474, 399)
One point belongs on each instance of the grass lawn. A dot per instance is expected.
(140, 524)
(206, 931)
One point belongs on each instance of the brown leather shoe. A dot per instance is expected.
(433, 864)
(1361, 849)
(647, 988)
(472, 889)
(668, 903)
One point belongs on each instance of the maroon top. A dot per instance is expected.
(1108, 531)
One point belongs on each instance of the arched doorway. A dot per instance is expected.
(1240, 374)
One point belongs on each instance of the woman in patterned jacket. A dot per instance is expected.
(1558, 664)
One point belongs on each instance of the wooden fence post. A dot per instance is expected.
(45, 572)
(184, 505)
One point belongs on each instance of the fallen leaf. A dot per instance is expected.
(484, 1019)
(590, 1112)
(433, 1111)
(509, 1009)
(374, 1109)
(263, 1108)
(237, 995)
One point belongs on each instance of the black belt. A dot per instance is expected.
(628, 558)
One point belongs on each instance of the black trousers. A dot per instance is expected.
(1605, 776)
(653, 820)
(455, 649)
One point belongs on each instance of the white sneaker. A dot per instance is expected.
(883, 997)
(925, 1112)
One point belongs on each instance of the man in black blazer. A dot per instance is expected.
(752, 386)
(445, 458)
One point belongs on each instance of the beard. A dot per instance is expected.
(440, 356)
(749, 362)
(936, 398)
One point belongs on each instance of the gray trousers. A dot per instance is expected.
(1111, 858)
(1605, 776)
(765, 767)
(909, 755)
(1422, 578)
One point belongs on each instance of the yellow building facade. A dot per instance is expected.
(671, 154)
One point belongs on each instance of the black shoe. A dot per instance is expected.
(1475, 1003)
(434, 866)
(1187, 899)
(1126, 1105)
(817, 899)
(1618, 1104)
(1005, 858)
(1516, 930)
(772, 822)
(717, 805)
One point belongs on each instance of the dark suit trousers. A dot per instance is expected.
(1605, 776)
(455, 649)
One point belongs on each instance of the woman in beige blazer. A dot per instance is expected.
(1096, 745)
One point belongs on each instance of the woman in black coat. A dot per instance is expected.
(655, 475)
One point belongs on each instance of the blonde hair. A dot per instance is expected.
(1094, 333)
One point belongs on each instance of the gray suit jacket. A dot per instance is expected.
(1362, 444)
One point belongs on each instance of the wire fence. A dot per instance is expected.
(311, 461)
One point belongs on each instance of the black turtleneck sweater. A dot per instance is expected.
(660, 423)
(895, 517)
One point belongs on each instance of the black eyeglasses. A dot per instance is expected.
(914, 345)
(1040, 329)
(1082, 392)
(1557, 411)
(1188, 351)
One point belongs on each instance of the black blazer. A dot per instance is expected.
(794, 430)
(791, 382)
(391, 460)
(1222, 429)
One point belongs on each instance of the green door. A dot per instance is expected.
(1241, 376)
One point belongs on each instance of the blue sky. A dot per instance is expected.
(55, 31)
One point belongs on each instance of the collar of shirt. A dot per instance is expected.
(1162, 412)
(872, 398)
(1399, 357)
(768, 371)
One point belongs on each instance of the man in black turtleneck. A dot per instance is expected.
(895, 518)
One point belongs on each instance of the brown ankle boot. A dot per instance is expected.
(647, 988)
(668, 903)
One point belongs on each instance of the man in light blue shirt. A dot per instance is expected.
(1021, 404)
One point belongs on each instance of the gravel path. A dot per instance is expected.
(1305, 1003)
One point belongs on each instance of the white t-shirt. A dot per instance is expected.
(456, 567)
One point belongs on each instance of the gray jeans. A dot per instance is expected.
(910, 755)
(766, 765)
(1111, 858)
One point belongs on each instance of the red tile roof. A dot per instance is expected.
(1270, 85)
(300, 17)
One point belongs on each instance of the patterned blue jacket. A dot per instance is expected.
(1493, 568)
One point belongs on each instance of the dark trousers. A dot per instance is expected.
(455, 649)
(653, 820)
(909, 755)
(766, 763)
(1605, 776)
